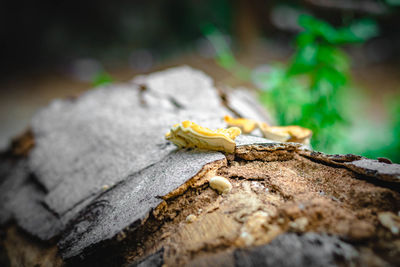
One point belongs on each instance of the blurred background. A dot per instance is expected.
(330, 65)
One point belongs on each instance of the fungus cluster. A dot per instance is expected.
(291, 133)
(189, 134)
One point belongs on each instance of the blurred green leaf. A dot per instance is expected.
(310, 93)
(317, 27)
(332, 57)
(224, 56)
(102, 79)
(304, 39)
(393, 2)
(305, 59)
(358, 31)
(270, 79)
(364, 29)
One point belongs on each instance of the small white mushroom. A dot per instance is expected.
(281, 221)
(121, 236)
(221, 184)
(390, 221)
(299, 225)
(246, 239)
(191, 218)
(105, 187)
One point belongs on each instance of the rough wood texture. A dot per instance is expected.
(270, 198)
(103, 184)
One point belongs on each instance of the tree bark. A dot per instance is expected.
(94, 182)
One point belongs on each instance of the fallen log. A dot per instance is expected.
(94, 182)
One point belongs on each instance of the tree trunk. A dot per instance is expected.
(94, 182)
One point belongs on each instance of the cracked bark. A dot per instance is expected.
(95, 183)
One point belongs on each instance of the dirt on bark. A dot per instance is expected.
(269, 199)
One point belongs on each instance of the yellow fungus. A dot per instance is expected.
(291, 133)
(273, 133)
(277, 133)
(189, 134)
(246, 125)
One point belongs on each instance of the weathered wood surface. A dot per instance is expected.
(103, 184)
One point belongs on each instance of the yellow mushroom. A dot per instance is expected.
(271, 133)
(299, 134)
(246, 125)
(189, 134)
(291, 133)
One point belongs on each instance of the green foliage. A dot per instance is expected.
(358, 31)
(313, 90)
(393, 2)
(310, 90)
(393, 149)
(101, 79)
(384, 140)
